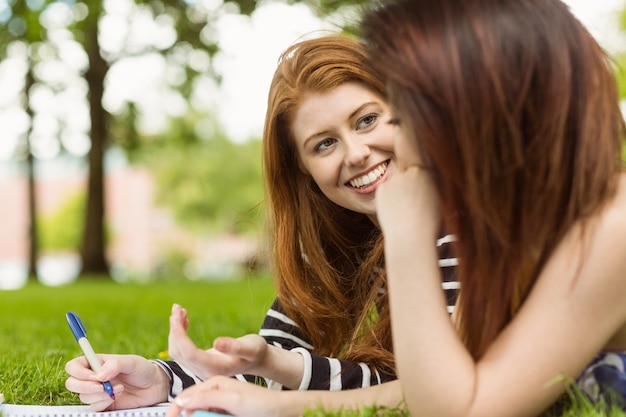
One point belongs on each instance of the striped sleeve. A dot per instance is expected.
(332, 374)
(179, 376)
(320, 372)
(448, 263)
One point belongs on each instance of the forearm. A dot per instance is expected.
(429, 353)
(305, 370)
(294, 403)
(282, 366)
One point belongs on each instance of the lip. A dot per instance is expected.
(372, 187)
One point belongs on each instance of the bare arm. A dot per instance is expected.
(283, 357)
(570, 315)
(243, 399)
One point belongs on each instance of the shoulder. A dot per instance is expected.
(603, 255)
(616, 209)
(590, 262)
(611, 221)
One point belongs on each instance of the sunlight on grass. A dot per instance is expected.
(36, 341)
(132, 318)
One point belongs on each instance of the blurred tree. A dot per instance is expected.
(63, 229)
(13, 30)
(33, 231)
(185, 39)
(209, 184)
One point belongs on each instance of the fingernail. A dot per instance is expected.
(180, 401)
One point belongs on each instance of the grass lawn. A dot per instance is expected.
(35, 339)
(36, 342)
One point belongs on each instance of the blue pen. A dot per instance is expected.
(76, 325)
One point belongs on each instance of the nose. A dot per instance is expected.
(357, 152)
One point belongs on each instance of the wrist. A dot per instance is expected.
(283, 366)
(162, 383)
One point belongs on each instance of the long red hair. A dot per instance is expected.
(515, 108)
(326, 259)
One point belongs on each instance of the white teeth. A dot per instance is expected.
(369, 178)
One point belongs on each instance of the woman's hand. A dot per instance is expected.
(407, 203)
(230, 396)
(137, 382)
(228, 356)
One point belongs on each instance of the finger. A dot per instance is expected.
(83, 387)
(98, 403)
(216, 393)
(174, 410)
(224, 344)
(100, 400)
(179, 342)
(246, 347)
(185, 318)
(79, 369)
(178, 319)
(114, 366)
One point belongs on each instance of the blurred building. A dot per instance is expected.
(145, 237)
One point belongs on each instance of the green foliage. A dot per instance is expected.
(63, 229)
(574, 403)
(212, 184)
(365, 411)
(622, 18)
(36, 342)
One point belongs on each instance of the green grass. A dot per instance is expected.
(35, 340)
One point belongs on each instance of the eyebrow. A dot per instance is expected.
(350, 116)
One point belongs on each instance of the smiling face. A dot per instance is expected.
(345, 142)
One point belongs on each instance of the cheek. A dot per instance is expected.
(323, 180)
(319, 172)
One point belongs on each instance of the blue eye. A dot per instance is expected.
(324, 144)
(366, 121)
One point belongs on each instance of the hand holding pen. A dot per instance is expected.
(137, 381)
(76, 325)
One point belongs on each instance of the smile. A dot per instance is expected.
(369, 178)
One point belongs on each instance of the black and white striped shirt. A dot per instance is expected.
(320, 372)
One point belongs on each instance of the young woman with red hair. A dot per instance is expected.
(510, 136)
(327, 147)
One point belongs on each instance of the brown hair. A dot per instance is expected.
(515, 109)
(325, 258)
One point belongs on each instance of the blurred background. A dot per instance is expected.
(131, 131)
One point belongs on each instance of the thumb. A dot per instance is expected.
(247, 347)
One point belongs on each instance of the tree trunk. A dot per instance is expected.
(93, 248)
(33, 234)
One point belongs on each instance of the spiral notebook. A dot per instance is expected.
(159, 410)
(17, 410)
